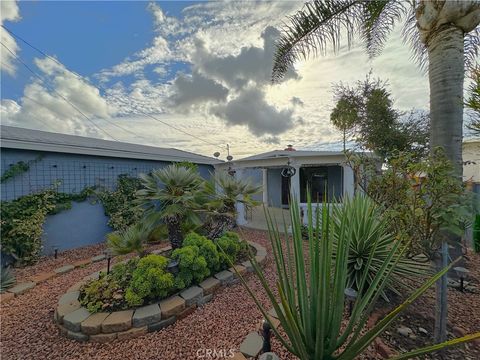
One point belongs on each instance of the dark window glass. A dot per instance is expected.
(324, 182)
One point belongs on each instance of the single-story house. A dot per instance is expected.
(76, 162)
(325, 173)
(471, 163)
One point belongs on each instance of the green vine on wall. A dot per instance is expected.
(16, 169)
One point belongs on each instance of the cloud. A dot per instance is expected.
(9, 12)
(296, 101)
(251, 109)
(189, 91)
(42, 108)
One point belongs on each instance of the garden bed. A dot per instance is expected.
(77, 323)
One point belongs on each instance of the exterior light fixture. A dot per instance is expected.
(462, 273)
(55, 252)
(266, 334)
(108, 255)
(351, 295)
(172, 267)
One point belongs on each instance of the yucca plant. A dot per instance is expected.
(7, 279)
(371, 236)
(224, 192)
(309, 297)
(175, 194)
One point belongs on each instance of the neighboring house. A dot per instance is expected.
(74, 163)
(324, 173)
(471, 163)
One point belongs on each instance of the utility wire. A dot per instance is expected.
(120, 99)
(56, 92)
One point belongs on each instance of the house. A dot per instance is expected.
(325, 173)
(471, 163)
(74, 163)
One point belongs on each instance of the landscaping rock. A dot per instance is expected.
(252, 345)
(98, 258)
(7, 296)
(458, 331)
(66, 309)
(132, 333)
(73, 320)
(146, 315)
(172, 306)
(103, 338)
(210, 285)
(44, 276)
(205, 299)
(404, 331)
(248, 265)
(192, 295)
(69, 297)
(161, 324)
(81, 263)
(260, 259)
(64, 269)
(21, 288)
(238, 356)
(187, 312)
(240, 269)
(93, 276)
(76, 287)
(117, 321)
(225, 277)
(77, 336)
(423, 331)
(382, 349)
(93, 324)
(269, 356)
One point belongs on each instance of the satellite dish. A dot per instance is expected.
(229, 157)
(216, 154)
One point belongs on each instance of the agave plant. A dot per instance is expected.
(7, 279)
(310, 291)
(225, 191)
(370, 236)
(174, 193)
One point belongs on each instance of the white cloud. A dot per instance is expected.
(8, 12)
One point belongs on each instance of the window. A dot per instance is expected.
(324, 182)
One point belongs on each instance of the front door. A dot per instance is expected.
(285, 191)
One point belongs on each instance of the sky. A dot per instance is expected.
(189, 75)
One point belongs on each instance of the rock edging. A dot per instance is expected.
(77, 323)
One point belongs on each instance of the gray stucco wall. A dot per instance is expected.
(84, 224)
(256, 177)
(274, 187)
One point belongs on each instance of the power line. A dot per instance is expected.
(56, 92)
(120, 99)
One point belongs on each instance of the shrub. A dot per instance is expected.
(192, 266)
(231, 248)
(130, 240)
(102, 294)
(150, 280)
(207, 249)
(7, 279)
(476, 234)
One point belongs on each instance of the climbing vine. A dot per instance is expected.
(16, 169)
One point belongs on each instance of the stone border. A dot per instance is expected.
(77, 323)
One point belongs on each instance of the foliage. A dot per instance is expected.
(7, 279)
(132, 239)
(22, 221)
(206, 248)
(423, 199)
(174, 194)
(16, 169)
(371, 238)
(366, 112)
(119, 204)
(150, 280)
(187, 164)
(476, 234)
(193, 267)
(231, 248)
(102, 294)
(311, 289)
(224, 191)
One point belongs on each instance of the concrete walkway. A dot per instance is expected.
(256, 218)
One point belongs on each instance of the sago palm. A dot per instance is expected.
(224, 192)
(173, 193)
(444, 35)
(309, 294)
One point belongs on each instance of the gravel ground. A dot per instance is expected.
(28, 331)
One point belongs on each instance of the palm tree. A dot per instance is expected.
(174, 194)
(225, 191)
(444, 34)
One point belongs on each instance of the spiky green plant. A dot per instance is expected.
(7, 279)
(224, 192)
(175, 194)
(370, 236)
(132, 239)
(309, 297)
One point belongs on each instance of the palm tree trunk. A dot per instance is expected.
(446, 73)
(174, 232)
